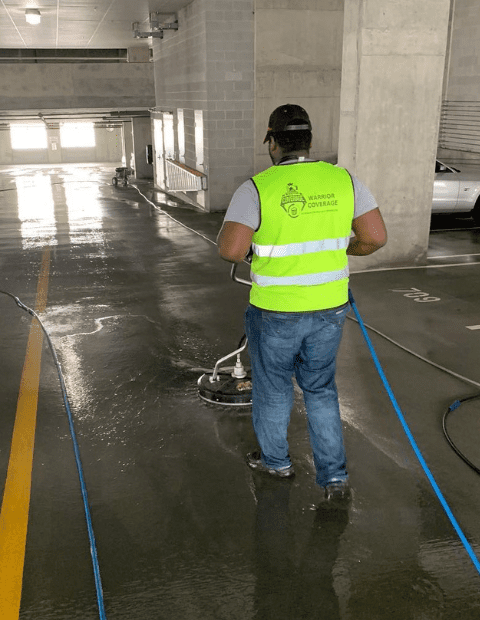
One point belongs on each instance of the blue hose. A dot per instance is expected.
(91, 536)
(413, 443)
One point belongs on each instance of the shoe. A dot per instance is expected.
(254, 461)
(337, 489)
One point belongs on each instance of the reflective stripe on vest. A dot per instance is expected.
(307, 247)
(299, 250)
(309, 279)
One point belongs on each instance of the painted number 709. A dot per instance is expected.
(416, 294)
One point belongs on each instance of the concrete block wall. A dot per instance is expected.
(239, 59)
(180, 72)
(71, 85)
(299, 60)
(208, 65)
(230, 75)
(179, 62)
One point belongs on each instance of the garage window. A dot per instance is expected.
(75, 135)
(28, 136)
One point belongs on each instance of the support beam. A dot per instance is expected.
(392, 79)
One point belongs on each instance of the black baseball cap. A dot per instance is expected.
(288, 117)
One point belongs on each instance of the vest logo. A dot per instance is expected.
(293, 202)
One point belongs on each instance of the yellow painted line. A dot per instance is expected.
(16, 496)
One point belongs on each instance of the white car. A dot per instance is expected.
(456, 191)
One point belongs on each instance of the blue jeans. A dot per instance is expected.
(304, 344)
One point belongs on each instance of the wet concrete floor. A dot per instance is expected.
(137, 306)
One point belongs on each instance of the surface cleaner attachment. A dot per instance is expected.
(227, 386)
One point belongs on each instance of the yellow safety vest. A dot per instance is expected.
(299, 259)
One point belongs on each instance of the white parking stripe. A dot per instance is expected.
(451, 256)
(473, 327)
(352, 273)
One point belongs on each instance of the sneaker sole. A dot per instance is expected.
(278, 473)
(338, 494)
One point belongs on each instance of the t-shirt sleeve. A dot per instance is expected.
(364, 199)
(244, 206)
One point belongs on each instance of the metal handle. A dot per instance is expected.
(235, 278)
(214, 376)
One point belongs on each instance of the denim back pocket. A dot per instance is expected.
(280, 324)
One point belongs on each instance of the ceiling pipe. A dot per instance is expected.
(114, 115)
(156, 27)
(42, 118)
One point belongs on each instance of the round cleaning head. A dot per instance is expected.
(226, 390)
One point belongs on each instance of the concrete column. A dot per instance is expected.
(54, 146)
(142, 135)
(392, 78)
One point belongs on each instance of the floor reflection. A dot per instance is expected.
(85, 213)
(286, 587)
(36, 211)
(73, 209)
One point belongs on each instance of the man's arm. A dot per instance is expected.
(370, 234)
(234, 241)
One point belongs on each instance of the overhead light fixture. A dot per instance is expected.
(32, 16)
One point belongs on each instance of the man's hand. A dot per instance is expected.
(234, 241)
(370, 234)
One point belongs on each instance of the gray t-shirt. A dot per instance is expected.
(244, 206)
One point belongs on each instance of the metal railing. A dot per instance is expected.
(460, 126)
(182, 178)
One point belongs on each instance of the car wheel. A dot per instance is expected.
(476, 213)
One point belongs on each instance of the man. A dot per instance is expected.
(297, 217)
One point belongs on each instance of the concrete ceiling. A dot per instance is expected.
(87, 24)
